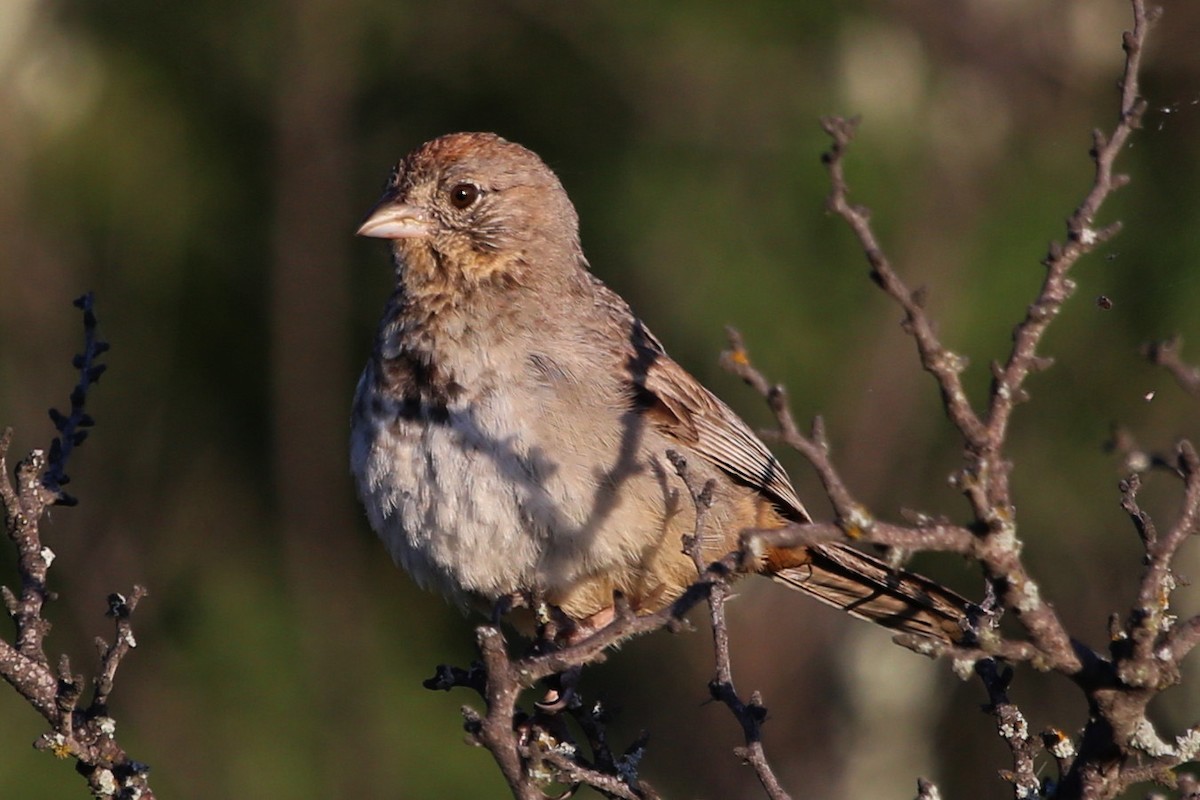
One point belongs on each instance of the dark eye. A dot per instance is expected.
(463, 195)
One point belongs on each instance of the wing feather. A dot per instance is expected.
(683, 409)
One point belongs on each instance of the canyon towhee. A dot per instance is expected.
(510, 430)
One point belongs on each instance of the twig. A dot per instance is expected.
(1117, 690)
(86, 734)
(72, 427)
(984, 477)
(853, 518)
(1165, 354)
(927, 790)
(518, 742)
(1012, 727)
(121, 609)
(945, 365)
(750, 715)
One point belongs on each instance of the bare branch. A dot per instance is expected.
(1166, 353)
(750, 715)
(944, 365)
(927, 790)
(72, 427)
(88, 735)
(1012, 727)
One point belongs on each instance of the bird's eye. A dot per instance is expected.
(463, 195)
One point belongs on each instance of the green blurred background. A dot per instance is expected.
(202, 166)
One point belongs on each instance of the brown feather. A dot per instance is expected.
(682, 408)
(869, 589)
(678, 405)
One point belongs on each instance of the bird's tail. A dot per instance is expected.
(869, 589)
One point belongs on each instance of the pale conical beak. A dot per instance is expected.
(392, 220)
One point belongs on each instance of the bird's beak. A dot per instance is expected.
(392, 220)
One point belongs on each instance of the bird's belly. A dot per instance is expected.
(469, 504)
(445, 506)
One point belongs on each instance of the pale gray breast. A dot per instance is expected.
(537, 482)
(441, 489)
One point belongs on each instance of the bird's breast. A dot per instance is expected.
(500, 489)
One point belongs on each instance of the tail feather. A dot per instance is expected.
(869, 589)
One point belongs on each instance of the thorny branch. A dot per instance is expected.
(1119, 746)
(85, 733)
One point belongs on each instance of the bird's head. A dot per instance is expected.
(469, 208)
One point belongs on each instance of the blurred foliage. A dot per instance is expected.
(185, 159)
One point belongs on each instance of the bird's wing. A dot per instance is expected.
(682, 409)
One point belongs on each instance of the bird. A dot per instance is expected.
(511, 431)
